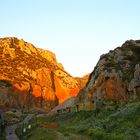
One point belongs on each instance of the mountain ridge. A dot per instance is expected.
(33, 69)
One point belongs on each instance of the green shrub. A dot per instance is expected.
(96, 134)
(81, 130)
(115, 136)
(66, 134)
(137, 122)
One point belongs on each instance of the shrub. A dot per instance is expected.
(116, 136)
(96, 134)
(66, 133)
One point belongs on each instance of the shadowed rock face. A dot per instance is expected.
(113, 73)
(37, 71)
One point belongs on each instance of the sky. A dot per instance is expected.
(77, 31)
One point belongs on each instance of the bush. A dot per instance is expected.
(81, 130)
(96, 134)
(66, 134)
(116, 136)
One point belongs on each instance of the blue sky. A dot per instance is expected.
(77, 31)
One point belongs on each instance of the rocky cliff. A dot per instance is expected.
(115, 76)
(35, 74)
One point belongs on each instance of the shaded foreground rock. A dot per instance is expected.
(116, 77)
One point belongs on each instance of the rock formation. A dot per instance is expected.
(35, 73)
(134, 85)
(112, 75)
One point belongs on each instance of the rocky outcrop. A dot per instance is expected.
(134, 85)
(64, 107)
(112, 75)
(35, 71)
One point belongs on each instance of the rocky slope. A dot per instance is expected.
(33, 74)
(115, 77)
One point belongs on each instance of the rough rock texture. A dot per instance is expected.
(35, 72)
(63, 106)
(112, 75)
(134, 85)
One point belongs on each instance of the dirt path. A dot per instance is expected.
(10, 130)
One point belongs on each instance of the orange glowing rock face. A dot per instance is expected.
(37, 91)
(22, 87)
(36, 72)
(63, 92)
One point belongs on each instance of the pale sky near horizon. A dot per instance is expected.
(77, 31)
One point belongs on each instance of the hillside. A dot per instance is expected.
(116, 77)
(34, 75)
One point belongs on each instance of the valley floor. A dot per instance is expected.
(56, 135)
(120, 124)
